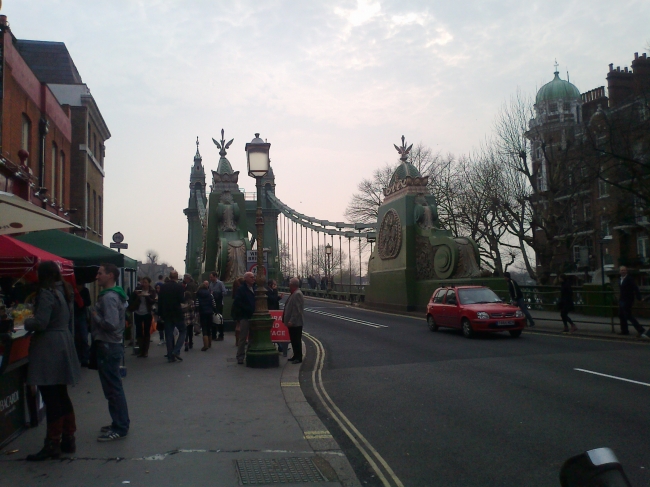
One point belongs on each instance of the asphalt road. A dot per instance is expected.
(443, 410)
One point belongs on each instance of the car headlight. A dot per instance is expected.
(482, 315)
(519, 314)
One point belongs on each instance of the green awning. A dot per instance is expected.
(81, 251)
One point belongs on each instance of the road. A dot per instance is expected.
(443, 410)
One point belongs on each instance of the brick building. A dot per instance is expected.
(591, 155)
(52, 64)
(32, 123)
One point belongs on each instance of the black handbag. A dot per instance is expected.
(92, 356)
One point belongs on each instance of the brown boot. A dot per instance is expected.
(206, 344)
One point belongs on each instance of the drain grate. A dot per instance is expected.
(278, 471)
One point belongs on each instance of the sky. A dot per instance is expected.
(332, 85)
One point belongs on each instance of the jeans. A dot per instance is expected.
(81, 338)
(142, 326)
(522, 306)
(109, 358)
(169, 338)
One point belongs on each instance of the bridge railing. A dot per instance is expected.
(339, 292)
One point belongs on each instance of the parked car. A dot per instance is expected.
(473, 309)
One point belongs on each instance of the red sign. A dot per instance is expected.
(279, 332)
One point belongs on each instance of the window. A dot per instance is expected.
(439, 297)
(576, 253)
(55, 156)
(541, 177)
(26, 134)
(603, 188)
(586, 211)
(567, 107)
(94, 210)
(643, 248)
(451, 297)
(61, 177)
(574, 214)
(101, 215)
(95, 153)
(88, 137)
(639, 212)
(87, 216)
(552, 107)
(604, 227)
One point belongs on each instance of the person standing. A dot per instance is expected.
(160, 326)
(53, 362)
(628, 291)
(170, 300)
(108, 320)
(518, 297)
(141, 303)
(273, 299)
(566, 303)
(218, 290)
(81, 305)
(294, 310)
(206, 306)
(244, 304)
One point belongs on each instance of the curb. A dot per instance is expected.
(315, 432)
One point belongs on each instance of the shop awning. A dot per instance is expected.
(19, 216)
(81, 251)
(19, 259)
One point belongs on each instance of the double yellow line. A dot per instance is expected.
(363, 445)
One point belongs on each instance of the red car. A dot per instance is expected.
(473, 309)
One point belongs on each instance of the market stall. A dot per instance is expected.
(19, 264)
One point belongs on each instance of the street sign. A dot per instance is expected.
(119, 246)
(279, 331)
(118, 238)
(251, 262)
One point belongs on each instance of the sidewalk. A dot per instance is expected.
(204, 421)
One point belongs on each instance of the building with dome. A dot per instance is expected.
(589, 159)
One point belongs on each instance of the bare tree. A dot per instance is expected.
(152, 256)
(364, 205)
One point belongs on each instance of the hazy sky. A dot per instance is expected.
(331, 85)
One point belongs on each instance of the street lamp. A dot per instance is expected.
(606, 239)
(328, 262)
(261, 352)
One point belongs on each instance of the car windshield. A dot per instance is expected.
(478, 296)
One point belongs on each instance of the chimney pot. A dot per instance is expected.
(636, 55)
(3, 20)
(611, 66)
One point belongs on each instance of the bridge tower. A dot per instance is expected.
(195, 213)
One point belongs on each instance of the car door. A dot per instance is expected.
(437, 306)
(452, 310)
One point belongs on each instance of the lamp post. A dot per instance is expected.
(328, 263)
(261, 352)
(602, 241)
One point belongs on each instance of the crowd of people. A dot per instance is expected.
(178, 310)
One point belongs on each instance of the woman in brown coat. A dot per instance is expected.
(53, 362)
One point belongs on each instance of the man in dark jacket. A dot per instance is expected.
(628, 291)
(170, 299)
(244, 303)
(518, 297)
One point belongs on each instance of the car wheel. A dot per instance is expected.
(433, 326)
(467, 328)
(515, 333)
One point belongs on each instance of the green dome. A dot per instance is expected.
(557, 89)
(403, 170)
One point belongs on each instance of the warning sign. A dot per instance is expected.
(279, 331)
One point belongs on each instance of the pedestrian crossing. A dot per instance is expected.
(345, 318)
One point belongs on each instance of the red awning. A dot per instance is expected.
(19, 259)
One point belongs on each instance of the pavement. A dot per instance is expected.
(203, 421)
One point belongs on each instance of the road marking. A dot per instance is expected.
(290, 384)
(367, 450)
(317, 435)
(580, 337)
(346, 318)
(613, 377)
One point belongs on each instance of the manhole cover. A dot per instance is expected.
(278, 471)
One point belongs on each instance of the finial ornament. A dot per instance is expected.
(197, 156)
(556, 66)
(223, 145)
(403, 151)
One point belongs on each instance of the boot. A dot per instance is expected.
(51, 449)
(68, 444)
(144, 349)
(206, 343)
